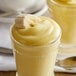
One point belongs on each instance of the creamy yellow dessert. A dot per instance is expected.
(35, 31)
(35, 41)
(64, 12)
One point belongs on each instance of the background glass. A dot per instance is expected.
(65, 15)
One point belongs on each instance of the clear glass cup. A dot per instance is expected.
(65, 16)
(35, 60)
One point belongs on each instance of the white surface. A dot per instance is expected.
(60, 69)
(7, 62)
(5, 40)
(40, 12)
(15, 5)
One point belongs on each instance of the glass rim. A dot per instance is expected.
(49, 2)
(32, 45)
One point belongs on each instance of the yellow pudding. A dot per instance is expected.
(35, 31)
(66, 2)
(35, 41)
(64, 12)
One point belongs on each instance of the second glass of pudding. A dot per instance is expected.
(35, 44)
(64, 13)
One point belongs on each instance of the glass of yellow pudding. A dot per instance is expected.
(64, 13)
(35, 43)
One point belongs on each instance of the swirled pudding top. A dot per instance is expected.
(35, 31)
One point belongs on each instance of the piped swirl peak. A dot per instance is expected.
(35, 30)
